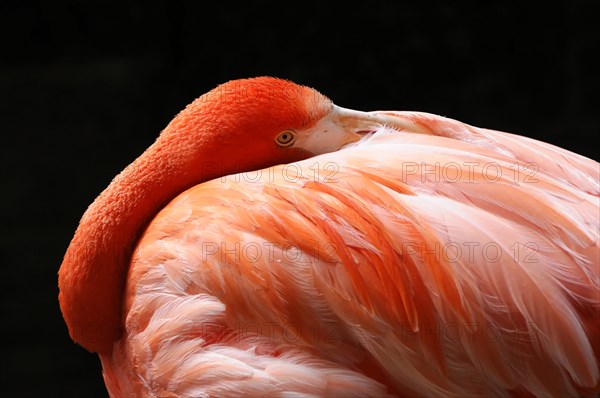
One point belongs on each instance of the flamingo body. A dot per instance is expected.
(270, 243)
(462, 263)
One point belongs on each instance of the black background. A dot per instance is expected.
(85, 87)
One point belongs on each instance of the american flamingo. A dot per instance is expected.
(270, 243)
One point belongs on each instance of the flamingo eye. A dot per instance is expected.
(286, 138)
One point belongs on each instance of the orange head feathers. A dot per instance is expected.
(243, 118)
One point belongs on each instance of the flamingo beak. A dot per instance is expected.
(357, 124)
(342, 126)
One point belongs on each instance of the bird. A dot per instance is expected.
(272, 243)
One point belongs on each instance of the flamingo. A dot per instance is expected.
(271, 243)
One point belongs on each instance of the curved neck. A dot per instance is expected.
(93, 273)
(222, 132)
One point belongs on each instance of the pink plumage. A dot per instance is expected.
(429, 258)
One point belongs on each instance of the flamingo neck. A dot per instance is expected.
(93, 273)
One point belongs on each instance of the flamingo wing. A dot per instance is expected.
(461, 262)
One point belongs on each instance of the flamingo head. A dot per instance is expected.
(263, 121)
